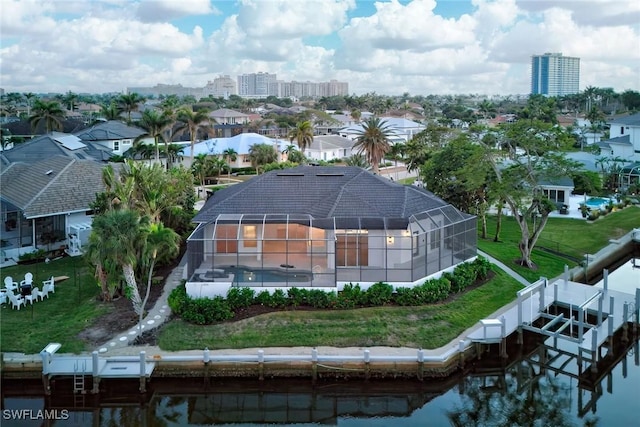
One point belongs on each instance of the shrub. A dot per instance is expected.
(178, 299)
(351, 296)
(434, 290)
(321, 299)
(240, 297)
(298, 296)
(379, 294)
(463, 276)
(482, 267)
(203, 311)
(405, 296)
(263, 298)
(278, 299)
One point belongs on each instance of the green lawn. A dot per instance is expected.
(430, 326)
(58, 318)
(573, 237)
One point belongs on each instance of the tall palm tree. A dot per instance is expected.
(373, 141)
(192, 122)
(231, 156)
(48, 112)
(201, 167)
(302, 134)
(29, 97)
(155, 124)
(70, 99)
(129, 102)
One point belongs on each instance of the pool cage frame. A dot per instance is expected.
(329, 251)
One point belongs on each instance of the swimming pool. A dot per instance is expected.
(248, 275)
(597, 202)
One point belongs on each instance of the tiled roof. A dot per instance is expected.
(330, 141)
(632, 120)
(321, 192)
(110, 130)
(53, 186)
(44, 147)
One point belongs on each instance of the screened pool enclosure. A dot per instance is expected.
(287, 250)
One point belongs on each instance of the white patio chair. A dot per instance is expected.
(35, 294)
(15, 300)
(9, 284)
(48, 286)
(28, 279)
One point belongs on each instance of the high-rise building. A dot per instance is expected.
(554, 75)
(256, 84)
(221, 86)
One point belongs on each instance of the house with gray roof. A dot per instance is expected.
(46, 204)
(624, 138)
(329, 147)
(55, 144)
(113, 135)
(324, 227)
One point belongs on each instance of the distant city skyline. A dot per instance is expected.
(389, 47)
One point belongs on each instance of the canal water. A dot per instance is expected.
(536, 386)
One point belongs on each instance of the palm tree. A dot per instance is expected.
(159, 240)
(262, 154)
(48, 112)
(129, 102)
(373, 141)
(192, 121)
(29, 96)
(110, 111)
(154, 123)
(302, 134)
(201, 167)
(231, 155)
(173, 152)
(70, 99)
(120, 234)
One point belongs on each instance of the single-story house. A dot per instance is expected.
(329, 147)
(324, 227)
(401, 130)
(557, 189)
(240, 143)
(46, 205)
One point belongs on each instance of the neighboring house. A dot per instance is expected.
(46, 204)
(558, 189)
(329, 147)
(324, 227)
(401, 130)
(624, 138)
(55, 144)
(114, 135)
(225, 116)
(240, 143)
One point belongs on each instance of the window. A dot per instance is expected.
(621, 130)
(116, 145)
(249, 234)
(352, 250)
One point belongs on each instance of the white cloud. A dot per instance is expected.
(161, 10)
(286, 18)
(395, 47)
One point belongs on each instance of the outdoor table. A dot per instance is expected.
(25, 290)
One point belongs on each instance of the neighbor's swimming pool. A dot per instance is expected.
(597, 202)
(247, 275)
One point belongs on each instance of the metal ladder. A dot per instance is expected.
(78, 377)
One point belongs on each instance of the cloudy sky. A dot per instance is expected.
(390, 47)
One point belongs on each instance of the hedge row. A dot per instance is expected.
(203, 311)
